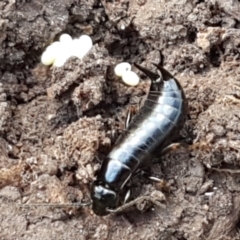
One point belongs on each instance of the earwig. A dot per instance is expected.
(156, 125)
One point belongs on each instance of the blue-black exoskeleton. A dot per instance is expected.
(156, 125)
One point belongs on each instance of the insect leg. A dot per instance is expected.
(128, 118)
(174, 147)
(137, 201)
(161, 183)
(131, 111)
(146, 173)
(113, 135)
(186, 133)
(156, 179)
(127, 196)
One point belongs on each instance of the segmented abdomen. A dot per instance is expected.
(152, 129)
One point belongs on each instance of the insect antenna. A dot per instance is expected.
(55, 205)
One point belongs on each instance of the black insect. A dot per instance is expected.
(155, 127)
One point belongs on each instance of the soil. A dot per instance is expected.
(56, 123)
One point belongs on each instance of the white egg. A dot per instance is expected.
(130, 78)
(121, 68)
(47, 58)
(49, 55)
(75, 48)
(62, 55)
(54, 47)
(59, 52)
(85, 45)
(65, 38)
(60, 61)
(86, 41)
(80, 47)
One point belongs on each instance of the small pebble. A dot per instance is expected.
(130, 78)
(121, 68)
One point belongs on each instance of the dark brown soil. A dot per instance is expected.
(56, 124)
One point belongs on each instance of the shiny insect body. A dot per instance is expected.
(156, 125)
